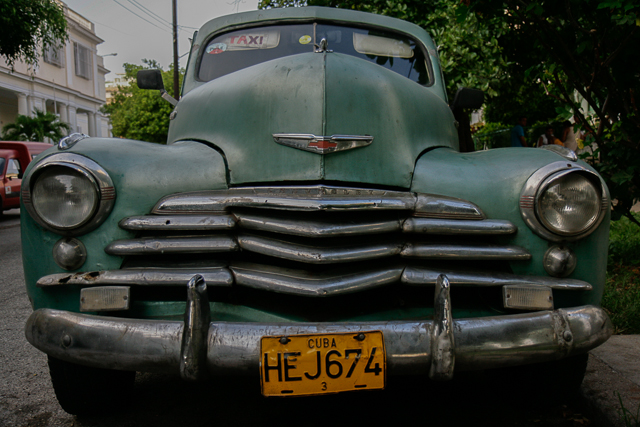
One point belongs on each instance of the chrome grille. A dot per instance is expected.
(314, 241)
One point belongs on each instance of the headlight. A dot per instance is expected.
(563, 202)
(68, 194)
(568, 203)
(64, 198)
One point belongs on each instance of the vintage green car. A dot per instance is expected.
(312, 222)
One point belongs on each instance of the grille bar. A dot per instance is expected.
(453, 227)
(316, 228)
(181, 223)
(217, 276)
(172, 245)
(317, 198)
(295, 282)
(473, 252)
(421, 276)
(300, 282)
(318, 254)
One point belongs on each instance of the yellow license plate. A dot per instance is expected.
(299, 365)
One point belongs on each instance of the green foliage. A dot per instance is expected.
(580, 52)
(520, 96)
(42, 125)
(469, 61)
(492, 135)
(621, 297)
(138, 113)
(27, 24)
(628, 417)
(624, 242)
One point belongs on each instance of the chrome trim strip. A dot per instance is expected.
(318, 228)
(234, 348)
(562, 151)
(453, 227)
(172, 245)
(322, 144)
(435, 206)
(317, 254)
(181, 222)
(296, 198)
(302, 283)
(465, 251)
(215, 276)
(317, 198)
(443, 344)
(426, 276)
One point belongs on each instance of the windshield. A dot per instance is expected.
(239, 49)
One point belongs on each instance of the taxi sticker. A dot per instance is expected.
(305, 39)
(216, 48)
(251, 41)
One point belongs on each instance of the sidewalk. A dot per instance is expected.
(613, 373)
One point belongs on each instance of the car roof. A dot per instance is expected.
(307, 13)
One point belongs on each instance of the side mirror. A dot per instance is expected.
(150, 79)
(468, 98)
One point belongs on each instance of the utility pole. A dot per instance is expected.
(176, 67)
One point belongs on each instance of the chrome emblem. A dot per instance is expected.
(322, 144)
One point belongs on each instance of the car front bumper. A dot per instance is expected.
(198, 347)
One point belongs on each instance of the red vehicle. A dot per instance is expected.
(14, 159)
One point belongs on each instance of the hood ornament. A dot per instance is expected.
(322, 144)
(323, 46)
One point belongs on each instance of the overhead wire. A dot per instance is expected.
(146, 20)
(157, 17)
(150, 14)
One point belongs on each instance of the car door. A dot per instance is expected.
(12, 182)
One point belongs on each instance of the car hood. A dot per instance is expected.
(320, 94)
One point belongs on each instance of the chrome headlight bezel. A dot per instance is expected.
(98, 177)
(540, 181)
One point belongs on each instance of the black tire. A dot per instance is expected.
(82, 390)
(551, 382)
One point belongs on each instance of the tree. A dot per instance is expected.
(138, 113)
(466, 61)
(585, 53)
(42, 125)
(27, 24)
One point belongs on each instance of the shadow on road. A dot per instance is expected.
(163, 400)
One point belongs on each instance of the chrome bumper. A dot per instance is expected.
(198, 347)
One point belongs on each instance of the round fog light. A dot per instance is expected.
(69, 253)
(560, 261)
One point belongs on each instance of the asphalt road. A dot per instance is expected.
(27, 398)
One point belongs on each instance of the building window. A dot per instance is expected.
(83, 61)
(54, 56)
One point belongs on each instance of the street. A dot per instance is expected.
(27, 398)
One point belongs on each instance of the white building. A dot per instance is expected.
(69, 82)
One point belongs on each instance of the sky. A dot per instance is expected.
(138, 29)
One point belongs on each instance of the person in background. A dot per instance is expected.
(547, 137)
(568, 137)
(517, 133)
